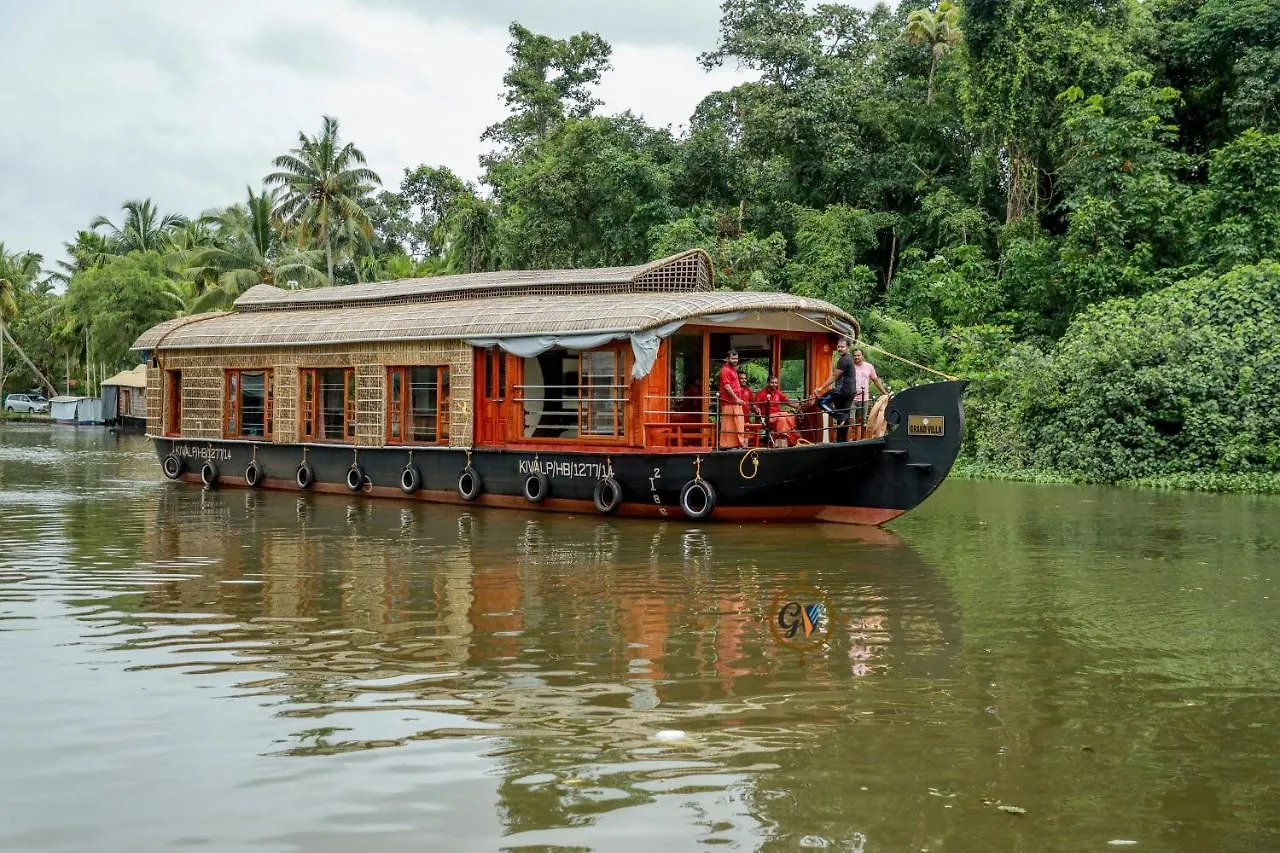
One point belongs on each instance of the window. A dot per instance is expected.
(603, 393)
(173, 402)
(417, 405)
(495, 374)
(328, 404)
(793, 375)
(573, 395)
(248, 404)
(688, 399)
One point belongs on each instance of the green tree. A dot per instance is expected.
(115, 303)
(939, 30)
(471, 226)
(586, 195)
(1224, 55)
(1022, 55)
(1181, 380)
(143, 229)
(18, 271)
(325, 185)
(829, 245)
(89, 249)
(1240, 207)
(1122, 194)
(742, 260)
(413, 221)
(550, 80)
(248, 250)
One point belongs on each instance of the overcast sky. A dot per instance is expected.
(187, 102)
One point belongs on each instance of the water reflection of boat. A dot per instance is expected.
(570, 640)
(659, 603)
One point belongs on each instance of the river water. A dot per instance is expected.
(1012, 667)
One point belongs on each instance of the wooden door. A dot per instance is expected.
(495, 406)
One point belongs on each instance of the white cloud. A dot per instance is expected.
(188, 103)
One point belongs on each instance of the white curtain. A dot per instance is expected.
(644, 345)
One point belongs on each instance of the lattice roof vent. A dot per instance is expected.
(686, 272)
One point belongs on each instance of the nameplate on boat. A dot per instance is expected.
(926, 425)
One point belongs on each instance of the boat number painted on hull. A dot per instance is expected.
(653, 485)
(219, 453)
(586, 470)
(934, 425)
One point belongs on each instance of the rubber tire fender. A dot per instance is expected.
(410, 479)
(693, 489)
(173, 466)
(607, 495)
(469, 484)
(253, 474)
(355, 478)
(305, 476)
(536, 487)
(209, 474)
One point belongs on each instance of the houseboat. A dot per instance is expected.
(588, 391)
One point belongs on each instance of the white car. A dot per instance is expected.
(25, 403)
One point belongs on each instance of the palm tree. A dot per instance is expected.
(940, 30)
(400, 266)
(144, 229)
(351, 241)
(88, 251)
(248, 250)
(17, 271)
(325, 184)
(471, 228)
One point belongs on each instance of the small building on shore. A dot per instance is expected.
(124, 400)
(76, 411)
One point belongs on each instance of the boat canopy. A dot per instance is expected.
(523, 312)
(135, 377)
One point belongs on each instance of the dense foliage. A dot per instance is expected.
(1074, 205)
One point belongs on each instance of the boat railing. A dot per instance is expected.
(578, 409)
(680, 420)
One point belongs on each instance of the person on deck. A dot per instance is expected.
(733, 434)
(864, 374)
(770, 401)
(839, 399)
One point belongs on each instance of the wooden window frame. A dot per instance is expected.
(311, 407)
(620, 403)
(232, 408)
(400, 412)
(623, 420)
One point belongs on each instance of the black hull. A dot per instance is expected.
(862, 482)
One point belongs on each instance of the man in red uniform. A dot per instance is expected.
(769, 401)
(733, 432)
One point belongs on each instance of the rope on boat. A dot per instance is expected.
(863, 343)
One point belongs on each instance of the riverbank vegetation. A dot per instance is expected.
(1074, 205)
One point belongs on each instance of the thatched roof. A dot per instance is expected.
(619, 300)
(133, 378)
(687, 271)
(507, 317)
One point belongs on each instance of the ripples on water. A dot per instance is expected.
(263, 671)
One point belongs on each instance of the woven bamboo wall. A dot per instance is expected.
(370, 392)
(202, 384)
(155, 401)
(285, 427)
(202, 401)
